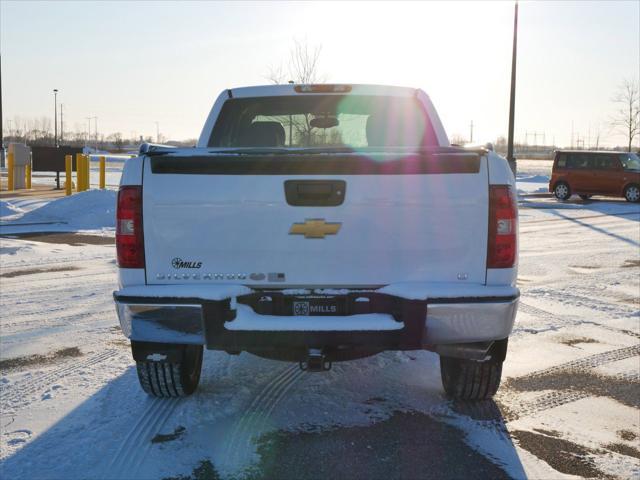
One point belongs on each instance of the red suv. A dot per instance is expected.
(595, 173)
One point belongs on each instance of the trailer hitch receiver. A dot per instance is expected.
(315, 362)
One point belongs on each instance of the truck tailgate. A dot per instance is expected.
(225, 219)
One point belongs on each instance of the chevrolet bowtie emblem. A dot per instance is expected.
(314, 228)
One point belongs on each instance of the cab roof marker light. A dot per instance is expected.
(322, 88)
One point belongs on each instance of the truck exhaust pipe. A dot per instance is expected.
(315, 362)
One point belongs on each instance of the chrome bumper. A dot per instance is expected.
(163, 323)
(445, 323)
(470, 322)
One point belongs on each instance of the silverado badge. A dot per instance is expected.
(315, 228)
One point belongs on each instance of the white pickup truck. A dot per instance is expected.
(318, 223)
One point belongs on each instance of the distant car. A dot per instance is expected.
(589, 173)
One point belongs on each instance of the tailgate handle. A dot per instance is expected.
(315, 193)
(315, 190)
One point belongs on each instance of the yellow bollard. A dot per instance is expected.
(87, 172)
(68, 167)
(79, 176)
(27, 176)
(103, 182)
(10, 171)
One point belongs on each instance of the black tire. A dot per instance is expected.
(172, 379)
(585, 197)
(562, 191)
(473, 380)
(632, 193)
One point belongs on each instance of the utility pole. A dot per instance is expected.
(61, 123)
(55, 117)
(96, 132)
(471, 133)
(512, 99)
(157, 132)
(86, 142)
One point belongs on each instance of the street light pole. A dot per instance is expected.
(55, 117)
(157, 132)
(512, 100)
(96, 132)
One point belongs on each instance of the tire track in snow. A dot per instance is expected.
(137, 443)
(7, 290)
(64, 285)
(83, 259)
(82, 306)
(253, 421)
(567, 321)
(14, 393)
(557, 398)
(91, 322)
(592, 361)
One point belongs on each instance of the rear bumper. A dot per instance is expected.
(410, 325)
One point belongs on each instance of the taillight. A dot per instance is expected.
(129, 237)
(503, 227)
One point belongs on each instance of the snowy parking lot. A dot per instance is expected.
(71, 406)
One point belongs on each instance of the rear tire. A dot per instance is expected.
(585, 197)
(632, 193)
(172, 379)
(473, 380)
(562, 191)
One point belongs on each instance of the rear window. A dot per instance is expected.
(630, 161)
(323, 121)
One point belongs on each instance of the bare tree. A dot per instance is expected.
(303, 63)
(627, 118)
(458, 139)
(302, 68)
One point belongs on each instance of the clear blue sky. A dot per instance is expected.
(135, 63)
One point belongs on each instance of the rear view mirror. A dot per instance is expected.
(324, 122)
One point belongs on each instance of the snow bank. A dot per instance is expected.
(533, 178)
(90, 210)
(528, 184)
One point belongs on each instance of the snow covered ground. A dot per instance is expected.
(71, 406)
(91, 211)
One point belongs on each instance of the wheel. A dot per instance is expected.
(172, 378)
(585, 197)
(473, 380)
(562, 191)
(632, 193)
